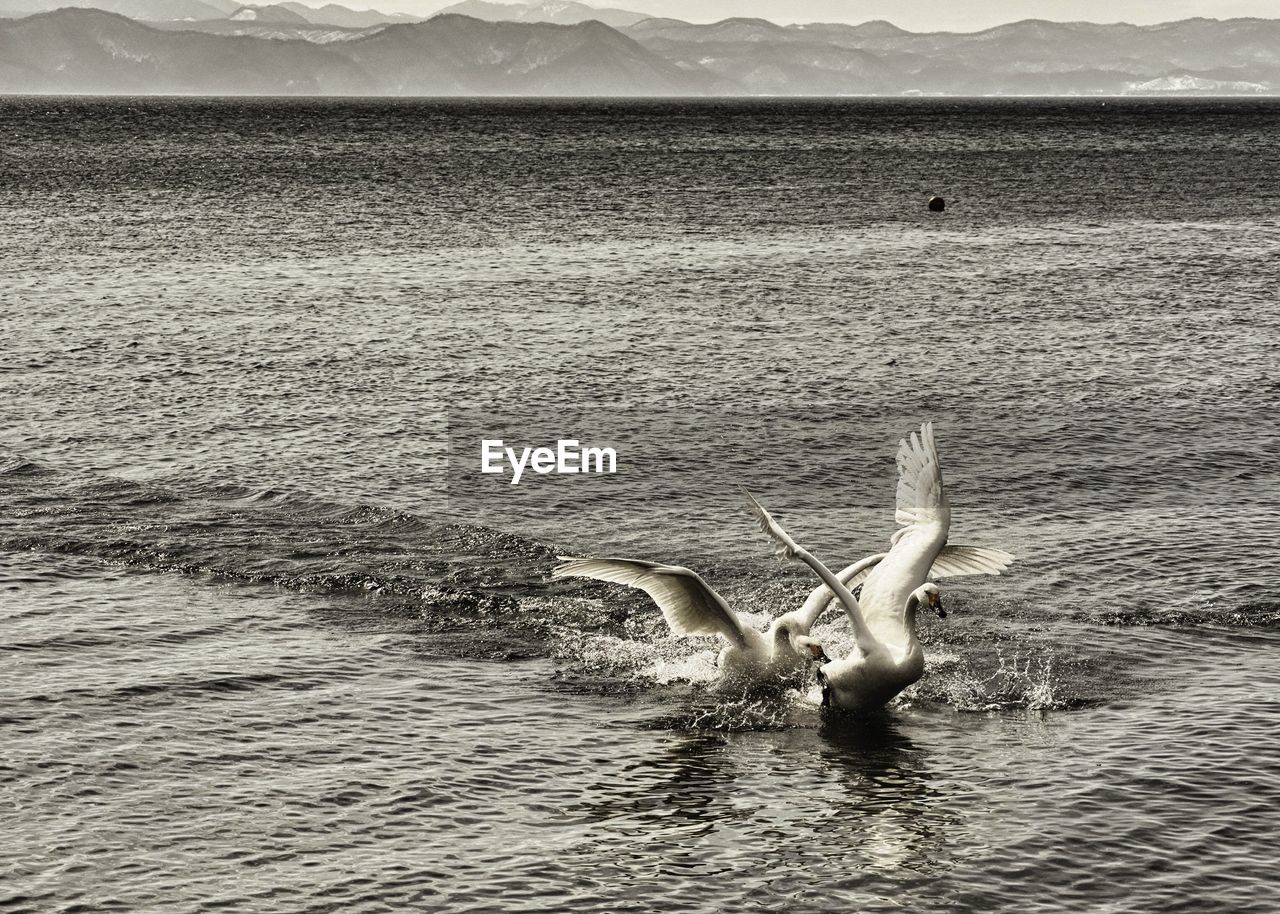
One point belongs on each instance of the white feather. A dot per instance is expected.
(687, 602)
(921, 499)
(956, 561)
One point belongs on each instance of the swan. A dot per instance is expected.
(895, 584)
(876, 671)
(692, 607)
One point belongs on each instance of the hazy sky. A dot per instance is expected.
(957, 15)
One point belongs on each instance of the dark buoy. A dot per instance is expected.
(937, 204)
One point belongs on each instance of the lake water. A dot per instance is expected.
(269, 641)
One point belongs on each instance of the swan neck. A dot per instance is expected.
(909, 616)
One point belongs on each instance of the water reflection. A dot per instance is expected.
(890, 811)
(684, 786)
(855, 796)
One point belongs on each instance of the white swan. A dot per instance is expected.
(894, 585)
(691, 607)
(876, 671)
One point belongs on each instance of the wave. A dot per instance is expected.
(269, 537)
(1247, 615)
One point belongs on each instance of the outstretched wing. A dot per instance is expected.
(921, 499)
(956, 561)
(783, 545)
(688, 604)
(953, 562)
(787, 548)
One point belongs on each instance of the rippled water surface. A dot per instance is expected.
(269, 641)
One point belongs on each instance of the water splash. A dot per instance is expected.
(1022, 680)
(746, 711)
(661, 661)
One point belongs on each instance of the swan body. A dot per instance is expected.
(691, 607)
(870, 679)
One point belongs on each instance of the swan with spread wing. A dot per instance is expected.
(918, 551)
(691, 607)
(875, 671)
(895, 585)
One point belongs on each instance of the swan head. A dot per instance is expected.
(810, 648)
(787, 638)
(929, 595)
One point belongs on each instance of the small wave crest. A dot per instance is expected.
(663, 661)
(1246, 615)
(13, 465)
(272, 537)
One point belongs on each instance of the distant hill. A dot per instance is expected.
(210, 10)
(88, 51)
(333, 14)
(277, 31)
(458, 55)
(81, 51)
(1022, 58)
(134, 9)
(272, 13)
(561, 12)
(77, 51)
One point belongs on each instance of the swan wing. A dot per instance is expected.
(783, 545)
(687, 602)
(956, 561)
(787, 548)
(953, 562)
(921, 498)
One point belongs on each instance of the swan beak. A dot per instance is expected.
(818, 653)
(937, 607)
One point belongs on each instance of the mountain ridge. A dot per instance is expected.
(85, 51)
(559, 12)
(78, 50)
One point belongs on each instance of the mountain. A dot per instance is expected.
(330, 14)
(82, 51)
(333, 14)
(273, 13)
(89, 51)
(458, 55)
(275, 31)
(79, 51)
(767, 59)
(561, 12)
(134, 9)
(1033, 57)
